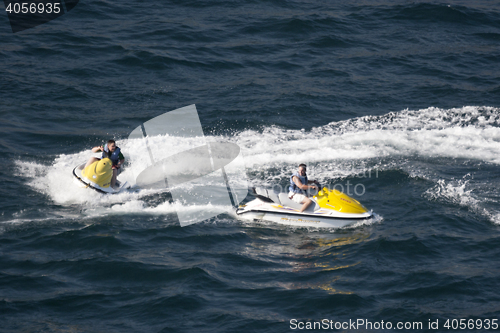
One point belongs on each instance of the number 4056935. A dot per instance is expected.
(33, 8)
(471, 324)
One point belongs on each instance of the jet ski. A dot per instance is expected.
(329, 209)
(97, 176)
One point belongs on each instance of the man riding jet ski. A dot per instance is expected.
(100, 174)
(111, 151)
(328, 208)
(299, 184)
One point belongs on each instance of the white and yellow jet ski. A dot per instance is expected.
(97, 176)
(329, 209)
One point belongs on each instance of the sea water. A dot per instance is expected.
(398, 98)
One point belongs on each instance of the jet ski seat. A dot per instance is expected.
(266, 195)
(273, 196)
(285, 201)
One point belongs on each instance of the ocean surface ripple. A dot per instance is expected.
(401, 98)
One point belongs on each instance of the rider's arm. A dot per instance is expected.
(299, 184)
(122, 159)
(97, 149)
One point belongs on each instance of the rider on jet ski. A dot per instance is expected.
(112, 151)
(299, 184)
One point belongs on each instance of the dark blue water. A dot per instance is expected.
(400, 97)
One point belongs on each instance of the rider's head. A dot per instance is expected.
(111, 145)
(302, 169)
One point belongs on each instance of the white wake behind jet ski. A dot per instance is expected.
(329, 209)
(97, 176)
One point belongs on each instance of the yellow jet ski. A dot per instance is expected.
(329, 208)
(98, 176)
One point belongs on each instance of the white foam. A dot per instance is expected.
(469, 132)
(454, 191)
(461, 192)
(338, 149)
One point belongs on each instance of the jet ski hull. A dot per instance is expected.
(270, 207)
(84, 182)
